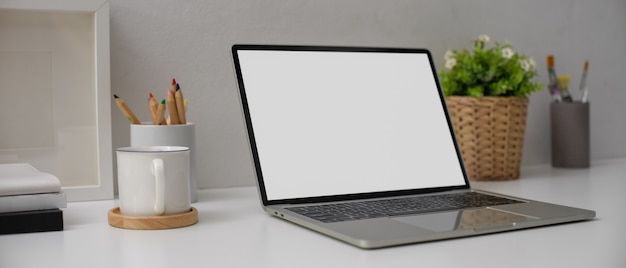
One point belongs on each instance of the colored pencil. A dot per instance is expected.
(161, 113)
(171, 107)
(126, 110)
(180, 105)
(153, 109)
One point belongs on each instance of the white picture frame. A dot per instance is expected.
(99, 188)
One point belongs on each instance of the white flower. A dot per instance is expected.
(450, 63)
(449, 55)
(507, 52)
(484, 38)
(525, 65)
(528, 65)
(532, 63)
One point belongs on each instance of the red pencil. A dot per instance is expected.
(171, 107)
(152, 108)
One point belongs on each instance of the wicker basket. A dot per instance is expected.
(490, 133)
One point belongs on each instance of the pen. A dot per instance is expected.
(126, 110)
(583, 83)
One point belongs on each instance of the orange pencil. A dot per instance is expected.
(126, 110)
(180, 105)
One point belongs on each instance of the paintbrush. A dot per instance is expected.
(553, 85)
(563, 84)
(583, 83)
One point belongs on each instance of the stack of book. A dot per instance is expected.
(30, 201)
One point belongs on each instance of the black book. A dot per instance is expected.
(31, 221)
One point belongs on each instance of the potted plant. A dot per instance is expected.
(487, 92)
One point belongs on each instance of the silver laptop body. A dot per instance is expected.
(335, 125)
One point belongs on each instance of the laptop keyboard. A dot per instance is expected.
(397, 207)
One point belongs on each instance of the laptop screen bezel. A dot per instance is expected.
(253, 146)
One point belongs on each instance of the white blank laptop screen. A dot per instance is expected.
(334, 123)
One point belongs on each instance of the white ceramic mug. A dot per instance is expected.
(147, 134)
(153, 180)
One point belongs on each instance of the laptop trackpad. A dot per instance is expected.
(478, 219)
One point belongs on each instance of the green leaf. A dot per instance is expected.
(476, 91)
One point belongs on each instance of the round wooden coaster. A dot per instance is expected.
(152, 222)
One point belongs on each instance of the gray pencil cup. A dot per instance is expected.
(570, 134)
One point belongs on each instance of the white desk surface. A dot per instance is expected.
(233, 231)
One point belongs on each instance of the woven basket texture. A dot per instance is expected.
(490, 133)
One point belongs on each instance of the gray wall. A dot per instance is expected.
(154, 41)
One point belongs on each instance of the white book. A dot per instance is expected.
(22, 178)
(28, 202)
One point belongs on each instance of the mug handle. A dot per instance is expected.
(158, 170)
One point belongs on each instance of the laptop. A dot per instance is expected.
(356, 143)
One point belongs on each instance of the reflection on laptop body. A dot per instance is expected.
(356, 143)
